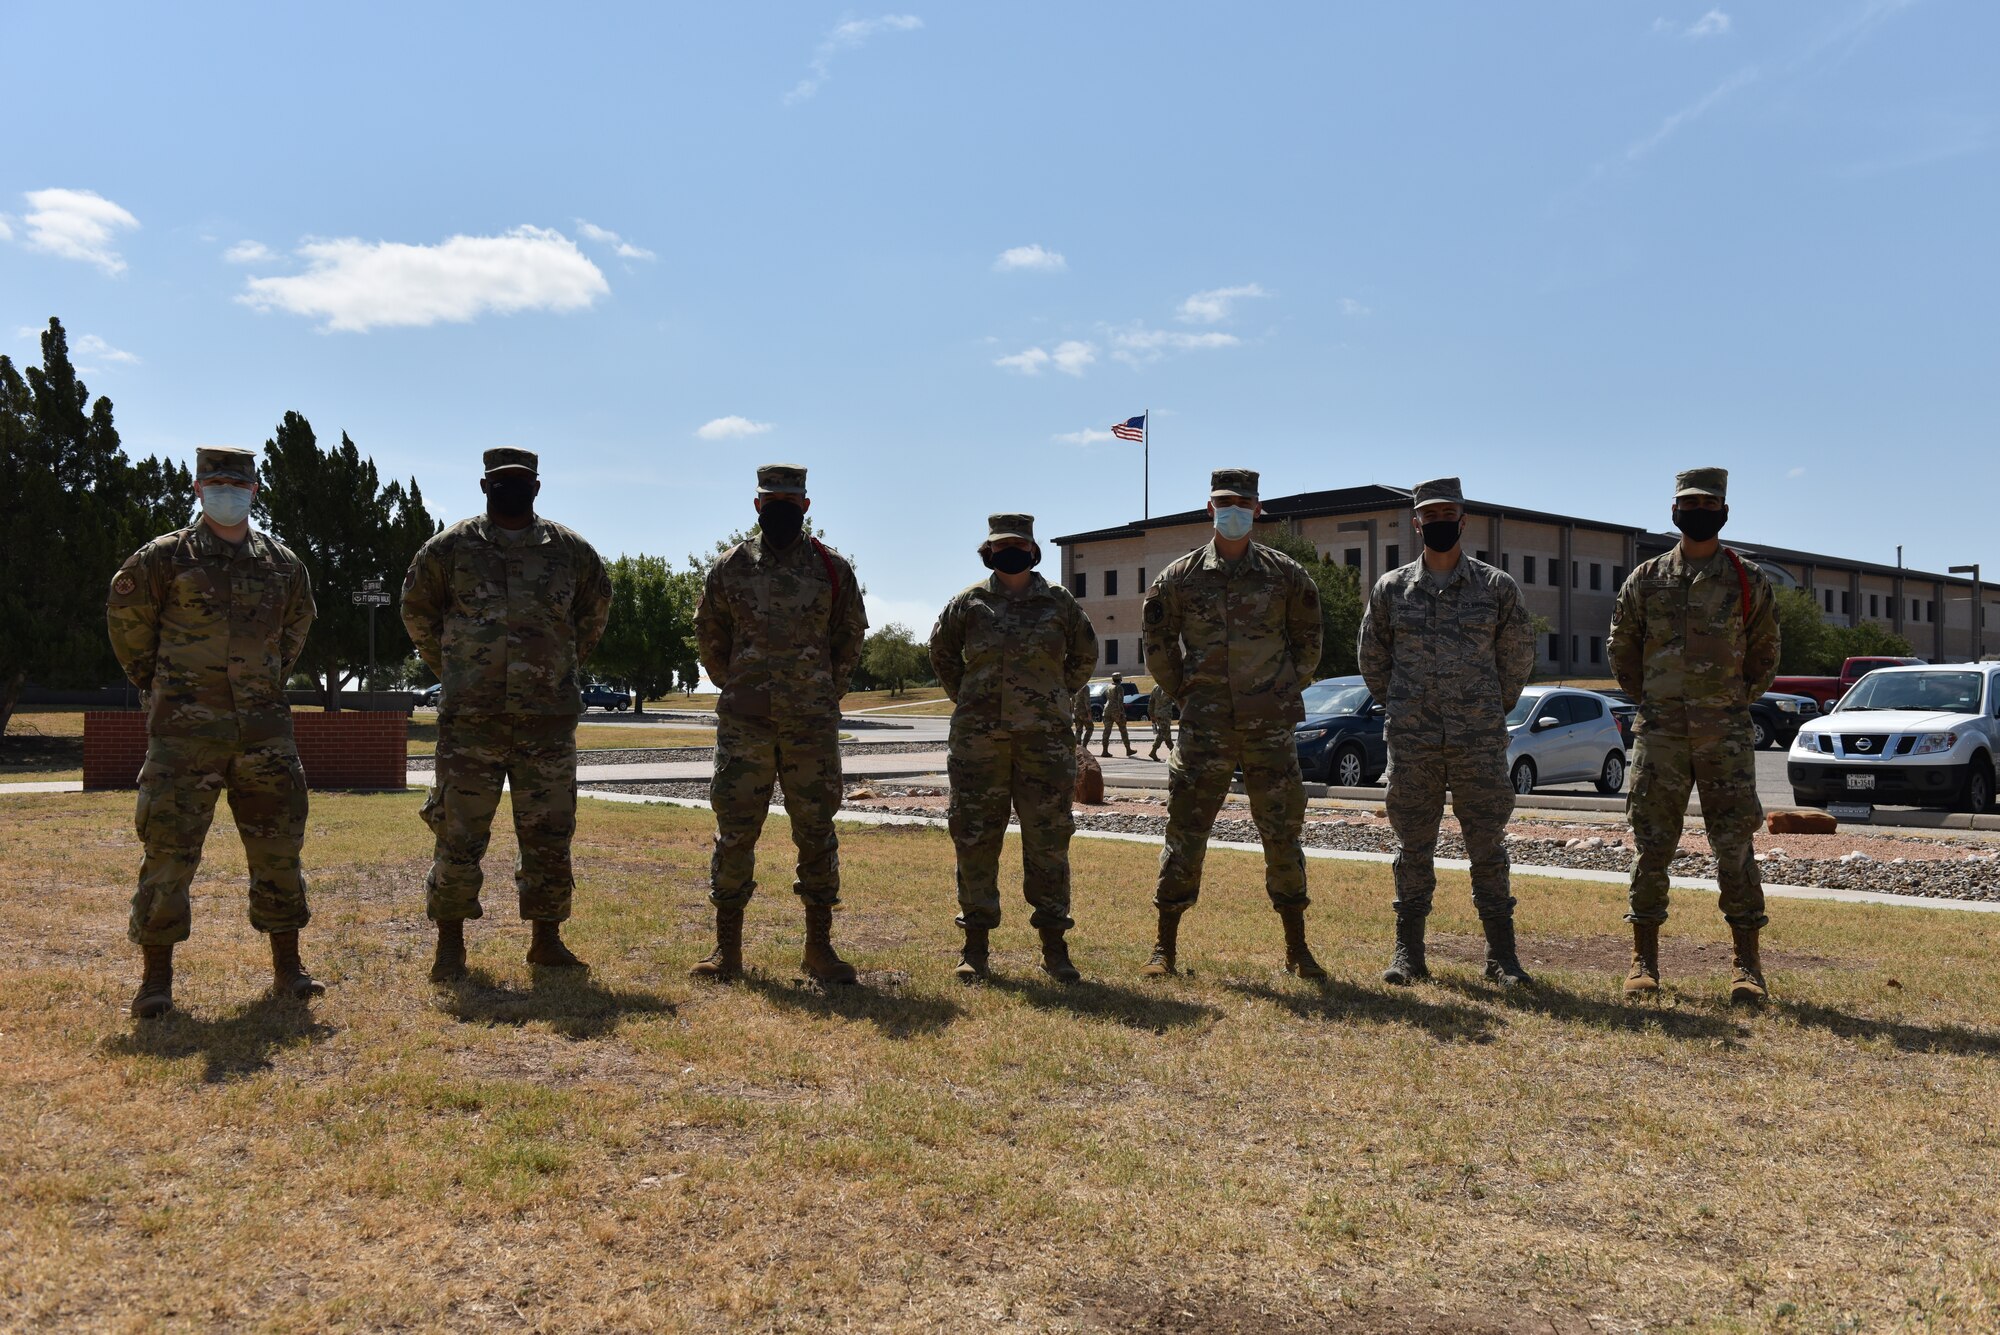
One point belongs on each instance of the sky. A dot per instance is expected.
(934, 253)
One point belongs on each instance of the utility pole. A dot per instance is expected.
(1978, 609)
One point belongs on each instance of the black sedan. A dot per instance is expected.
(603, 697)
(1341, 742)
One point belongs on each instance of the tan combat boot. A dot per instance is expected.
(289, 977)
(1162, 963)
(1747, 987)
(156, 987)
(972, 958)
(820, 960)
(1643, 979)
(1055, 957)
(725, 963)
(448, 965)
(1298, 959)
(547, 950)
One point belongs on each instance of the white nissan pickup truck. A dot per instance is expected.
(1924, 735)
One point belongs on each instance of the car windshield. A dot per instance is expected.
(1327, 697)
(1932, 692)
(1523, 710)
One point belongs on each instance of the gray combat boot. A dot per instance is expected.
(1503, 966)
(1406, 966)
(156, 986)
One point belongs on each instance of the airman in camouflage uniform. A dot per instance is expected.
(1694, 639)
(1232, 631)
(1114, 712)
(1009, 651)
(1080, 715)
(1446, 646)
(208, 621)
(1160, 709)
(505, 608)
(779, 629)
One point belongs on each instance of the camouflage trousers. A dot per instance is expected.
(1198, 778)
(751, 755)
(1482, 798)
(534, 755)
(178, 786)
(1664, 771)
(1123, 735)
(1085, 728)
(1032, 774)
(1163, 734)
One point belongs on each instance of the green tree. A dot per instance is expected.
(893, 657)
(649, 642)
(1341, 600)
(72, 508)
(1805, 641)
(331, 508)
(1866, 640)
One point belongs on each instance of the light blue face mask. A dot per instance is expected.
(226, 505)
(1233, 521)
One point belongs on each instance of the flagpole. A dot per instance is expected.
(1146, 444)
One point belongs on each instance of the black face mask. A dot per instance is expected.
(1010, 560)
(1701, 525)
(1442, 535)
(510, 497)
(781, 522)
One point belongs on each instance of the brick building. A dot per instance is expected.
(1569, 570)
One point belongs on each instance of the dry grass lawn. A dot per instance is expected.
(1233, 1151)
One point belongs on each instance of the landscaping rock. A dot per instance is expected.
(1801, 822)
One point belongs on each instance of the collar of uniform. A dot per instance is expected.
(206, 543)
(1035, 587)
(539, 532)
(1446, 580)
(1679, 559)
(765, 554)
(1211, 559)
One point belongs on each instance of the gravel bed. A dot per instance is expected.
(663, 755)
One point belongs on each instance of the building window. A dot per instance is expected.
(1575, 648)
(1079, 584)
(1139, 648)
(1111, 651)
(1110, 584)
(1505, 562)
(1930, 611)
(1395, 555)
(1353, 557)
(1847, 602)
(1142, 577)
(1555, 647)
(1596, 649)
(1874, 604)
(1829, 600)
(1479, 556)
(1528, 574)
(1618, 577)
(1575, 576)
(1596, 576)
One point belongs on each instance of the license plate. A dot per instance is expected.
(1860, 783)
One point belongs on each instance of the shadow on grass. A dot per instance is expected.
(232, 1047)
(1132, 1007)
(895, 1014)
(1560, 1003)
(573, 1004)
(1943, 1038)
(1343, 1002)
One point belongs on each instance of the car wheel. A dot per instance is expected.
(1349, 769)
(1760, 733)
(1524, 775)
(1611, 779)
(1977, 794)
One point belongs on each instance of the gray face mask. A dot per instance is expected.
(225, 503)
(1234, 521)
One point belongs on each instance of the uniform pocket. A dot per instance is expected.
(156, 796)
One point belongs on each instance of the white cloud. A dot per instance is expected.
(1028, 361)
(1138, 345)
(1031, 257)
(77, 225)
(1214, 305)
(1084, 437)
(1712, 24)
(731, 428)
(359, 285)
(1071, 357)
(1349, 306)
(90, 351)
(249, 252)
(604, 236)
(846, 36)
(6, 232)
(1696, 109)
(1797, 472)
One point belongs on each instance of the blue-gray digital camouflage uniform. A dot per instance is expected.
(505, 618)
(1011, 663)
(1235, 642)
(210, 631)
(780, 634)
(1693, 643)
(1447, 655)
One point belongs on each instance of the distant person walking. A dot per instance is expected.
(1010, 651)
(1114, 713)
(1081, 721)
(1160, 709)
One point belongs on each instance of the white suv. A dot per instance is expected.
(1921, 736)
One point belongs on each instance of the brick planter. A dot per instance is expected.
(351, 749)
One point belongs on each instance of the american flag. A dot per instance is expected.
(1132, 428)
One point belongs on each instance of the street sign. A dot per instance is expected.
(371, 599)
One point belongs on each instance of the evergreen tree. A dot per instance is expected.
(649, 641)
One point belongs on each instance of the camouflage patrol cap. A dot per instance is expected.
(1702, 482)
(1233, 482)
(1437, 491)
(781, 480)
(510, 456)
(1010, 526)
(230, 461)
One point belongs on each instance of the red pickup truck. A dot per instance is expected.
(1828, 689)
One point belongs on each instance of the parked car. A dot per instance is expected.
(1138, 703)
(431, 694)
(1919, 735)
(1625, 712)
(1776, 717)
(603, 697)
(1341, 740)
(1826, 690)
(1559, 734)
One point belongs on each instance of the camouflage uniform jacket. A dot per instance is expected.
(1682, 648)
(1159, 705)
(210, 632)
(506, 625)
(1080, 705)
(1447, 655)
(777, 636)
(1013, 662)
(1234, 641)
